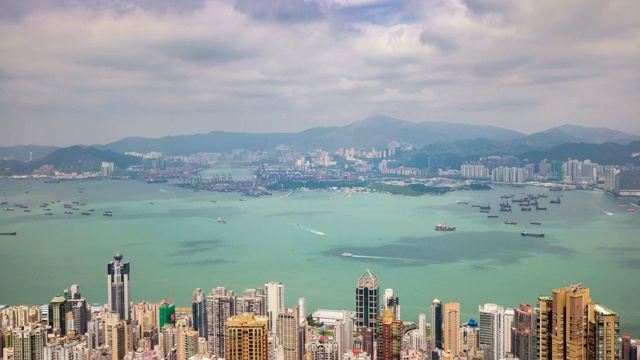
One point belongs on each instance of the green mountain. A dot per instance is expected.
(605, 154)
(71, 159)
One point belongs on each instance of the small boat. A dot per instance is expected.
(445, 228)
(622, 206)
(68, 212)
(9, 233)
(221, 220)
(541, 208)
(524, 233)
(107, 214)
(535, 223)
(461, 202)
(628, 210)
(82, 203)
(525, 209)
(27, 210)
(48, 213)
(555, 201)
(485, 211)
(510, 223)
(492, 216)
(347, 254)
(86, 213)
(8, 209)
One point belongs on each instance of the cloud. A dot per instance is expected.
(93, 72)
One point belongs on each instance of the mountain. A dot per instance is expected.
(605, 154)
(577, 134)
(373, 131)
(21, 152)
(71, 159)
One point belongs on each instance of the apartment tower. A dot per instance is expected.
(451, 324)
(220, 307)
(388, 336)
(247, 337)
(524, 334)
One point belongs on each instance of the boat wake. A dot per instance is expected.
(311, 230)
(381, 258)
(162, 190)
(606, 212)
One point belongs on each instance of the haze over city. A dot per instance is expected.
(95, 72)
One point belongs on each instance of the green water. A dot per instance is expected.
(173, 241)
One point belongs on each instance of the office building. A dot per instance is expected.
(491, 326)
(451, 326)
(275, 302)
(524, 335)
(290, 334)
(118, 287)
(58, 315)
(220, 307)
(436, 323)
(247, 337)
(199, 312)
(388, 336)
(367, 300)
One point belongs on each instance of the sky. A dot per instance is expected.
(95, 71)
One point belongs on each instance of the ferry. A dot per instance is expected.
(221, 220)
(347, 254)
(445, 228)
(510, 223)
(524, 233)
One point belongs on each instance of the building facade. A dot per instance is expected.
(247, 337)
(367, 300)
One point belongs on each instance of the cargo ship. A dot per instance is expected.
(524, 233)
(445, 228)
(510, 223)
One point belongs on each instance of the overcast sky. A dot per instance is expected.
(95, 71)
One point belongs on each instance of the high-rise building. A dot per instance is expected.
(118, 287)
(169, 340)
(167, 314)
(247, 337)
(436, 323)
(302, 309)
(187, 342)
(364, 340)
(570, 322)
(626, 347)
(253, 301)
(393, 303)
(343, 332)
(220, 307)
(199, 312)
(290, 334)
(604, 334)
(58, 314)
(323, 348)
(491, 321)
(367, 300)
(421, 343)
(275, 302)
(388, 336)
(628, 182)
(451, 324)
(524, 334)
(120, 340)
(544, 327)
(29, 342)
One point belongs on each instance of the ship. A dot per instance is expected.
(445, 228)
(221, 220)
(86, 213)
(541, 207)
(9, 233)
(107, 214)
(524, 233)
(8, 209)
(485, 211)
(510, 223)
(347, 254)
(488, 207)
(461, 202)
(525, 209)
(492, 216)
(503, 196)
(535, 223)
(555, 201)
(48, 213)
(631, 210)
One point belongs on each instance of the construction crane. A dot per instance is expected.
(166, 300)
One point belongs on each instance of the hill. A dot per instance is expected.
(71, 159)
(606, 154)
(21, 152)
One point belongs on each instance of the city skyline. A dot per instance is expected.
(154, 69)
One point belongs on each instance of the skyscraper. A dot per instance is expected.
(544, 327)
(290, 334)
(436, 323)
(199, 311)
(604, 333)
(220, 307)
(388, 336)
(118, 286)
(29, 342)
(58, 315)
(247, 337)
(367, 300)
(491, 321)
(451, 334)
(275, 302)
(569, 316)
(344, 332)
(523, 344)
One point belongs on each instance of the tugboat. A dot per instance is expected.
(445, 228)
(525, 233)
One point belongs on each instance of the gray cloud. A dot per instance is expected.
(98, 71)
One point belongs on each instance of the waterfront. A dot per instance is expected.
(173, 240)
